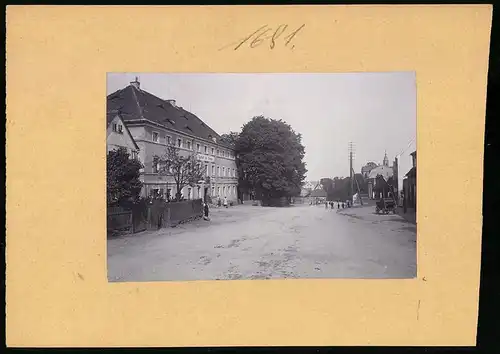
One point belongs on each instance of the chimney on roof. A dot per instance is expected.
(136, 83)
(172, 102)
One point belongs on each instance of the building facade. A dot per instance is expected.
(383, 170)
(410, 184)
(155, 124)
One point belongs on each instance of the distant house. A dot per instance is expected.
(317, 196)
(383, 170)
(119, 136)
(307, 188)
(365, 170)
(304, 192)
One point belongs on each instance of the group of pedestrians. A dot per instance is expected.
(340, 205)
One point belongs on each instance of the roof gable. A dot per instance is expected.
(110, 118)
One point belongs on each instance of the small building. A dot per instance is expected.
(317, 196)
(119, 136)
(365, 170)
(383, 170)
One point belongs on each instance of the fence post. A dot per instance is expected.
(148, 221)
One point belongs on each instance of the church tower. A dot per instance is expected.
(386, 160)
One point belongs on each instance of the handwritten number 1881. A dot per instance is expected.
(265, 33)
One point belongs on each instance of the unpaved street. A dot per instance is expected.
(252, 242)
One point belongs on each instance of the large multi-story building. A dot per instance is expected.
(155, 123)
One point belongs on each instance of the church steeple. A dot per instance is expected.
(386, 160)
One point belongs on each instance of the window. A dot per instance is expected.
(179, 142)
(155, 137)
(198, 147)
(212, 151)
(168, 139)
(224, 190)
(120, 128)
(218, 171)
(189, 145)
(213, 170)
(206, 149)
(223, 171)
(189, 193)
(115, 129)
(134, 155)
(155, 192)
(213, 191)
(218, 152)
(206, 169)
(218, 190)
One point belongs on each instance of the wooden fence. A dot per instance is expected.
(152, 216)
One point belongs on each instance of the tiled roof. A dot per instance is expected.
(412, 172)
(132, 103)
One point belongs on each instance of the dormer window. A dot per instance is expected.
(120, 128)
(189, 145)
(179, 142)
(155, 137)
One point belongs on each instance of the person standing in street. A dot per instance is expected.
(205, 211)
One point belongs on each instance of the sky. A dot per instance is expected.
(374, 111)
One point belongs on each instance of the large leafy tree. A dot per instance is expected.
(230, 138)
(186, 170)
(122, 177)
(328, 186)
(270, 158)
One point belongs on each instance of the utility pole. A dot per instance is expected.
(351, 155)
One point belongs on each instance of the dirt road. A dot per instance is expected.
(251, 242)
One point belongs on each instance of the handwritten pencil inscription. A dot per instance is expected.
(272, 37)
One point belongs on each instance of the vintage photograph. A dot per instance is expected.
(217, 176)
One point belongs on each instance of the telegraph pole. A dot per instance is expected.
(351, 155)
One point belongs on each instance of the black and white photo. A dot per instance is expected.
(218, 176)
